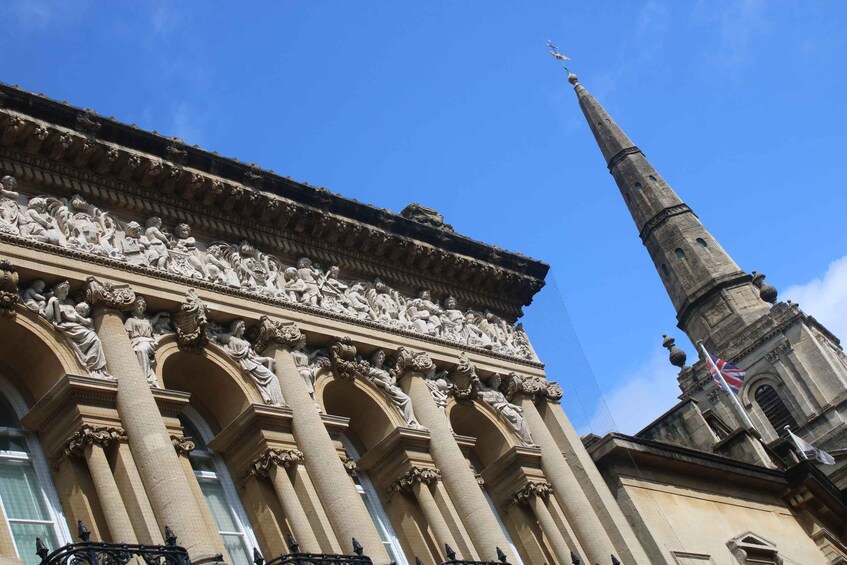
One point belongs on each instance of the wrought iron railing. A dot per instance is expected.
(453, 559)
(100, 553)
(295, 557)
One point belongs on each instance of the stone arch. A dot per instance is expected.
(757, 381)
(220, 390)
(478, 420)
(34, 356)
(372, 417)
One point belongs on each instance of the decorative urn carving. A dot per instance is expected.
(676, 355)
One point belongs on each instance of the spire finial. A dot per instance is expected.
(554, 51)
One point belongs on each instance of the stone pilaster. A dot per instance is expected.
(344, 506)
(458, 478)
(417, 481)
(158, 464)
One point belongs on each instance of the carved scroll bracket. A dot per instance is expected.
(190, 321)
(109, 295)
(183, 445)
(413, 362)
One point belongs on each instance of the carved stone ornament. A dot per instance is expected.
(189, 322)
(465, 380)
(413, 362)
(676, 355)
(90, 435)
(9, 290)
(534, 387)
(109, 295)
(77, 226)
(423, 215)
(183, 445)
(350, 465)
(342, 356)
(285, 458)
(414, 476)
(531, 490)
(276, 332)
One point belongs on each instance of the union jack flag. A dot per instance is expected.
(733, 376)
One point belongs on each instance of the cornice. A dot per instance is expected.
(85, 140)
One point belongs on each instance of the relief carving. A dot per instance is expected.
(189, 322)
(509, 413)
(89, 435)
(9, 290)
(414, 476)
(532, 490)
(142, 330)
(386, 382)
(284, 458)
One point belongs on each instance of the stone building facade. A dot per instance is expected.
(194, 342)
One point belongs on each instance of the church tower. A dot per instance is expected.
(796, 369)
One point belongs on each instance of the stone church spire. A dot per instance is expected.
(713, 297)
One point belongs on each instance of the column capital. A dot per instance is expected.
(531, 490)
(109, 295)
(9, 288)
(276, 332)
(261, 466)
(183, 445)
(408, 361)
(90, 435)
(189, 321)
(349, 465)
(537, 388)
(414, 476)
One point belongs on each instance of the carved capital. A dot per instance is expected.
(190, 321)
(109, 295)
(350, 465)
(531, 490)
(414, 476)
(465, 380)
(9, 288)
(413, 362)
(275, 332)
(342, 357)
(285, 458)
(90, 435)
(533, 387)
(183, 445)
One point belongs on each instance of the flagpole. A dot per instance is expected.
(726, 386)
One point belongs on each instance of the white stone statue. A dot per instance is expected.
(333, 292)
(258, 367)
(509, 413)
(309, 276)
(424, 314)
(39, 225)
(387, 384)
(452, 320)
(157, 243)
(309, 365)
(35, 297)
(184, 257)
(74, 323)
(134, 245)
(142, 336)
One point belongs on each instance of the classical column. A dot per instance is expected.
(344, 506)
(417, 480)
(135, 497)
(457, 476)
(534, 495)
(160, 469)
(274, 464)
(89, 442)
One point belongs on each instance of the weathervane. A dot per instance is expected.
(558, 56)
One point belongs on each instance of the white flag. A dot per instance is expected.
(809, 451)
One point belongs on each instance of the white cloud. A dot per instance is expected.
(646, 393)
(825, 298)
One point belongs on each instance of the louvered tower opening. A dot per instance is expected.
(774, 408)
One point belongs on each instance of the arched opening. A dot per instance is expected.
(30, 504)
(702, 242)
(774, 409)
(680, 254)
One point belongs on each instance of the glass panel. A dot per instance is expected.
(218, 505)
(25, 534)
(380, 527)
(8, 418)
(20, 493)
(202, 463)
(12, 440)
(237, 550)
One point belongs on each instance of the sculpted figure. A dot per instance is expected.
(141, 330)
(74, 323)
(82, 230)
(9, 210)
(333, 295)
(387, 383)
(291, 285)
(473, 334)
(39, 224)
(423, 313)
(186, 261)
(385, 304)
(217, 266)
(309, 366)
(357, 303)
(510, 413)
(452, 320)
(134, 245)
(8, 186)
(258, 367)
(34, 297)
(309, 276)
(439, 388)
(157, 243)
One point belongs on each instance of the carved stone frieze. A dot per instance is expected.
(75, 225)
(183, 445)
(285, 458)
(190, 321)
(109, 295)
(9, 289)
(532, 490)
(89, 435)
(414, 476)
(273, 331)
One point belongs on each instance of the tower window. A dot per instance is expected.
(680, 254)
(654, 179)
(702, 242)
(638, 186)
(665, 269)
(774, 408)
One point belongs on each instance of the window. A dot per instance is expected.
(27, 496)
(219, 492)
(654, 179)
(366, 490)
(702, 242)
(680, 254)
(638, 186)
(774, 408)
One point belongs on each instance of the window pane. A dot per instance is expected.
(20, 493)
(25, 534)
(217, 502)
(237, 549)
(12, 441)
(202, 463)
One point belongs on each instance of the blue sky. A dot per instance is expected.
(456, 105)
